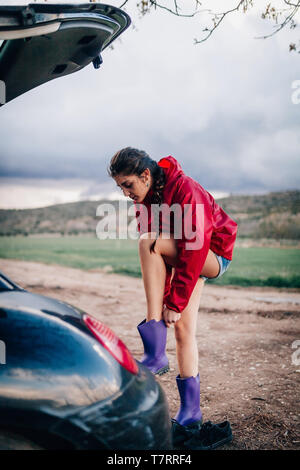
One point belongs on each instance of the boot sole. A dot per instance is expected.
(162, 371)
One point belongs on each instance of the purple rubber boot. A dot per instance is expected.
(189, 391)
(154, 337)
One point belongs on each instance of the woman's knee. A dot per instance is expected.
(146, 240)
(165, 246)
(183, 332)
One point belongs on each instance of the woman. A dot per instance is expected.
(174, 264)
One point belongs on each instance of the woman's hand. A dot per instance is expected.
(170, 317)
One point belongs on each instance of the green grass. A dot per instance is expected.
(255, 266)
(263, 266)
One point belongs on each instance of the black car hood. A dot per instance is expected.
(43, 42)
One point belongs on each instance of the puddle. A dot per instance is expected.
(277, 300)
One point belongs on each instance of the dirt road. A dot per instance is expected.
(248, 368)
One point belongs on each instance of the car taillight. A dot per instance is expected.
(111, 342)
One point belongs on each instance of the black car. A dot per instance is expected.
(67, 381)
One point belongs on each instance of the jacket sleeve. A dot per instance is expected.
(193, 244)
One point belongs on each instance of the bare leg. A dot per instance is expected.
(154, 271)
(185, 334)
(154, 275)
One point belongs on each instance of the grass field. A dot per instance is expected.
(255, 266)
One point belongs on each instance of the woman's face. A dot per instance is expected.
(134, 186)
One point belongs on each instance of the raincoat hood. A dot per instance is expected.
(171, 167)
(172, 170)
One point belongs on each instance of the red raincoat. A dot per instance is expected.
(211, 228)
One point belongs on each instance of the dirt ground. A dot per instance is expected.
(248, 368)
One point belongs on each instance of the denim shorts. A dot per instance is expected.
(224, 265)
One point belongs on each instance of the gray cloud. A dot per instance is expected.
(223, 109)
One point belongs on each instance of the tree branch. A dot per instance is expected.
(175, 12)
(292, 4)
(271, 13)
(223, 15)
(287, 20)
(124, 3)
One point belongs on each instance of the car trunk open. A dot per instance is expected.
(42, 42)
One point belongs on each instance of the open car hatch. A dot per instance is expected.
(40, 42)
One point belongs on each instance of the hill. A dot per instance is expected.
(275, 215)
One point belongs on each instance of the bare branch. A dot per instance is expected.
(288, 12)
(176, 6)
(174, 12)
(222, 16)
(123, 4)
(292, 4)
(287, 20)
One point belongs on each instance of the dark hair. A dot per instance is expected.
(131, 161)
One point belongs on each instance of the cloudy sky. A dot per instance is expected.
(224, 109)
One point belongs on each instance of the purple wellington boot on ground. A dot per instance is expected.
(188, 432)
(188, 419)
(154, 337)
(189, 391)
